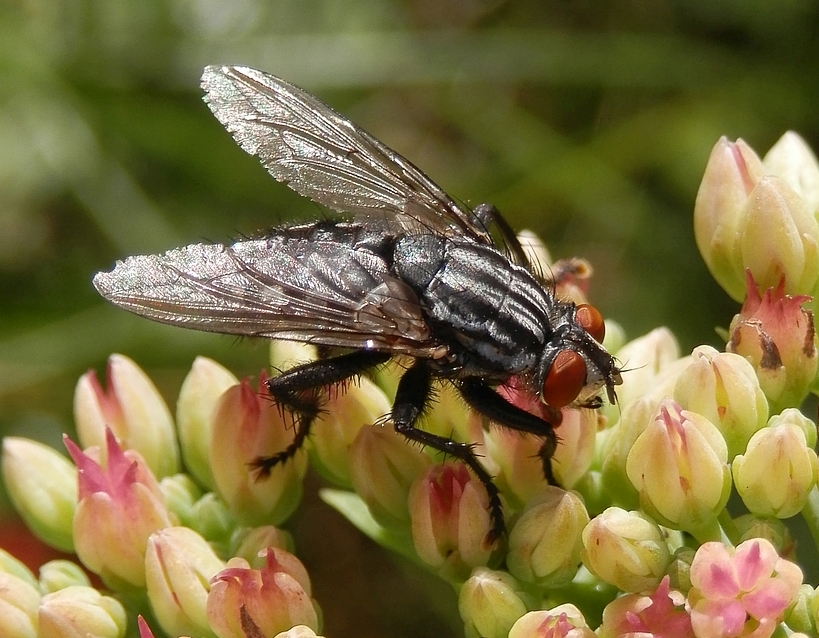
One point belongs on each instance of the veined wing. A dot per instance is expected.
(319, 292)
(322, 155)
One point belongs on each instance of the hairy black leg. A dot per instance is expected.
(484, 399)
(410, 400)
(297, 390)
(489, 216)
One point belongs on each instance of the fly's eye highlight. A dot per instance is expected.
(591, 321)
(565, 379)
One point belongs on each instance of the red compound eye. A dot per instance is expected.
(565, 379)
(591, 321)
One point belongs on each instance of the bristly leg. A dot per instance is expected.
(297, 390)
(412, 396)
(484, 399)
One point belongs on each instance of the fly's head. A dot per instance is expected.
(575, 367)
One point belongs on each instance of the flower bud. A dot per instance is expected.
(772, 530)
(646, 357)
(19, 600)
(333, 432)
(564, 621)
(731, 173)
(723, 388)
(288, 354)
(299, 631)
(200, 391)
(247, 426)
(264, 602)
(780, 237)
(118, 508)
(42, 484)
(490, 602)
(211, 518)
(742, 591)
(778, 470)
(799, 616)
(792, 160)
(180, 494)
(382, 470)
(135, 411)
(660, 614)
(450, 520)
(80, 611)
(59, 574)
(625, 549)
(179, 565)
(545, 543)
(678, 466)
(776, 335)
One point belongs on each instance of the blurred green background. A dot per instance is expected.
(587, 122)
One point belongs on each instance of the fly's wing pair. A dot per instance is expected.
(334, 293)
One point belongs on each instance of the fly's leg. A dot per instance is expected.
(488, 216)
(484, 399)
(297, 390)
(411, 398)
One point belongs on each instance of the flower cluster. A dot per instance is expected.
(639, 536)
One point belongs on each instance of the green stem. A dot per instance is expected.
(811, 514)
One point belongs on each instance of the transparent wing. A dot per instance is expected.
(318, 292)
(322, 155)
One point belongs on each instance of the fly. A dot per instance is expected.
(407, 272)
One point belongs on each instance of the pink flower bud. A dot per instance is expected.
(245, 601)
(740, 592)
(133, 408)
(776, 335)
(563, 621)
(660, 614)
(450, 520)
(118, 508)
(246, 425)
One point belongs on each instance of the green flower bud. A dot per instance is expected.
(490, 602)
(200, 391)
(678, 466)
(382, 470)
(333, 432)
(625, 549)
(792, 160)
(19, 601)
(780, 237)
(545, 543)
(59, 574)
(772, 530)
(135, 411)
(42, 484)
(179, 566)
(247, 426)
(778, 470)
(80, 611)
(723, 388)
(647, 357)
(731, 173)
(180, 494)
(10, 565)
(798, 617)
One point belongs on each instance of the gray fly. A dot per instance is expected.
(407, 272)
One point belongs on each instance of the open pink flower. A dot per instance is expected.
(742, 592)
